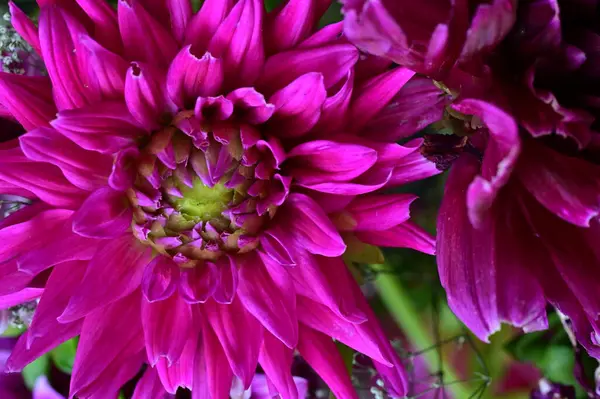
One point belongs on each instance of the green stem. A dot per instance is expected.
(410, 321)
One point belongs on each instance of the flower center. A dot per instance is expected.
(199, 193)
(201, 202)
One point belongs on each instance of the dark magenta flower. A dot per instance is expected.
(518, 227)
(195, 179)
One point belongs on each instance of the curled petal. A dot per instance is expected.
(160, 279)
(252, 104)
(104, 214)
(227, 280)
(145, 95)
(190, 76)
(198, 284)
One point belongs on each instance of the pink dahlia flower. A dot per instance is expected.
(518, 227)
(195, 180)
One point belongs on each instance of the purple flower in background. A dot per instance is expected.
(12, 386)
(194, 180)
(516, 88)
(550, 390)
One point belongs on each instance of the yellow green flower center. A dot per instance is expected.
(203, 203)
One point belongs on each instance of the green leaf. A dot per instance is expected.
(271, 4)
(63, 356)
(34, 370)
(13, 331)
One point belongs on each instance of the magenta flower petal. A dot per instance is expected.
(23, 354)
(106, 339)
(57, 32)
(191, 76)
(494, 300)
(298, 106)
(375, 94)
(333, 62)
(276, 249)
(105, 22)
(226, 280)
(103, 215)
(149, 386)
(376, 212)
(180, 373)
(145, 95)
(106, 127)
(499, 160)
(490, 24)
(85, 169)
(418, 104)
(199, 284)
(326, 161)
(61, 284)
(145, 39)
(28, 99)
(66, 247)
(212, 362)
(42, 223)
(166, 325)
(128, 267)
(20, 297)
(208, 181)
(105, 69)
(336, 107)
(48, 184)
(239, 42)
(321, 319)
(405, 235)
(291, 24)
(568, 187)
(313, 230)
(114, 376)
(321, 280)
(160, 279)
(241, 346)
(277, 310)
(276, 360)
(318, 350)
(205, 22)
(24, 27)
(181, 13)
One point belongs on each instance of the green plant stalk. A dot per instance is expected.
(410, 321)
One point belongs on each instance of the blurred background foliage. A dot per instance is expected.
(443, 359)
